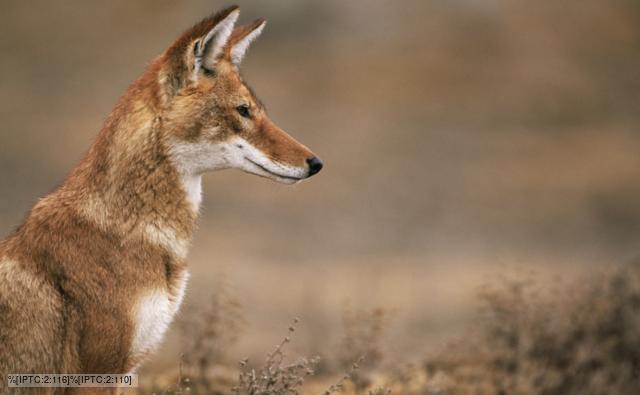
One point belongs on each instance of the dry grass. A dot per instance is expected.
(578, 337)
(275, 376)
(206, 369)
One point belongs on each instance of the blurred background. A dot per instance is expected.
(462, 139)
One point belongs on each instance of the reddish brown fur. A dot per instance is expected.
(71, 273)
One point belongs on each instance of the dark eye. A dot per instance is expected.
(244, 110)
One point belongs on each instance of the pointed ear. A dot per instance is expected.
(196, 48)
(208, 48)
(241, 38)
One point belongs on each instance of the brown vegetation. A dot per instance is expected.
(580, 339)
(576, 337)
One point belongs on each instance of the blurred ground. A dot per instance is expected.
(461, 139)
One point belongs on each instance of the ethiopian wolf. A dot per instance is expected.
(93, 277)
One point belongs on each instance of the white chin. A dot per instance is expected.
(274, 177)
(288, 181)
(259, 170)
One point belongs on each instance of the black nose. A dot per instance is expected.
(315, 165)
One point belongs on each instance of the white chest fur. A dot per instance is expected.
(153, 313)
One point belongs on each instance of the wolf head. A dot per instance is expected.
(215, 121)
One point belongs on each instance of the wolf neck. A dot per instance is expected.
(128, 184)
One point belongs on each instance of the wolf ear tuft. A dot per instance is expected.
(208, 49)
(241, 38)
(197, 50)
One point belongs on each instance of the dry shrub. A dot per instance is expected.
(360, 349)
(205, 369)
(579, 339)
(275, 376)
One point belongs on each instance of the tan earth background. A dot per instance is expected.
(462, 140)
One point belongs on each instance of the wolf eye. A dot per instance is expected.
(244, 110)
